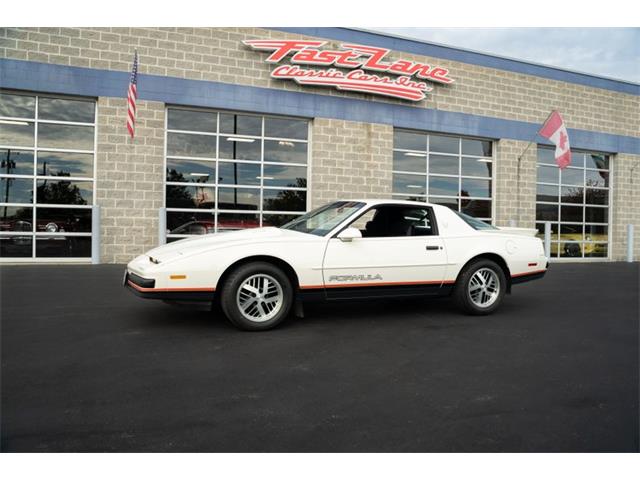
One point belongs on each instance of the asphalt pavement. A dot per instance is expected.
(87, 366)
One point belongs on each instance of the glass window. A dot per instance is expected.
(233, 146)
(192, 120)
(63, 246)
(577, 206)
(191, 171)
(238, 198)
(241, 124)
(14, 246)
(444, 164)
(66, 192)
(458, 171)
(17, 106)
(66, 110)
(184, 196)
(233, 173)
(478, 148)
(63, 220)
(476, 167)
(70, 137)
(190, 223)
(547, 193)
(286, 128)
(403, 140)
(16, 190)
(63, 178)
(285, 176)
(16, 219)
(189, 145)
(285, 200)
(473, 187)
(443, 186)
(285, 151)
(239, 221)
(409, 184)
(409, 161)
(17, 133)
(65, 164)
(442, 144)
(240, 148)
(16, 162)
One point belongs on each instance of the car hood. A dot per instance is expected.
(204, 243)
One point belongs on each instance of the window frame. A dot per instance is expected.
(216, 159)
(459, 176)
(584, 205)
(35, 177)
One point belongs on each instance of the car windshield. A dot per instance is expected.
(324, 219)
(474, 222)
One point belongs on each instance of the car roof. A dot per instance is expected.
(387, 201)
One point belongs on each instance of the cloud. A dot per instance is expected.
(609, 52)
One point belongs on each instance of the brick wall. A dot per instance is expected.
(626, 202)
(515, 191)
(216, 54)
(350, 160)
(129, 178)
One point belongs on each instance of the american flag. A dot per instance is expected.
(132, 97)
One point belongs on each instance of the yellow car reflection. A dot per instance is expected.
(571, 245)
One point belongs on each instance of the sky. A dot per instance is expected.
(609, 52)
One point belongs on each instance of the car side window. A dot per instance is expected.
(395, 221)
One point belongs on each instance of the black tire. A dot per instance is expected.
(573, 250)
(229, 303)
(461, 290)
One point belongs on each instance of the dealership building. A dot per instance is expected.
(248, 127)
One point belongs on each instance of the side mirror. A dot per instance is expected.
(348, 234)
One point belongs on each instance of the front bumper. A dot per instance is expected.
(145, 288)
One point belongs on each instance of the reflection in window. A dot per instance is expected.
(238, 198)
(17, 133)
(16, 190)
(183, 196)
(65, 164)
(579, 209)
(70, 137)
(16, 162)
(190, 223)
(285, 200)
(69, 175)
(66, 110)
(64, 192)
(452, 169)
(16, 219)
(192, 171)
(253, 153)
(233, 173)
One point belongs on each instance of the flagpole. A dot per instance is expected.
(533, 139)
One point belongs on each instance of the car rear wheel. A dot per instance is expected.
(257, 296)
(480, 287)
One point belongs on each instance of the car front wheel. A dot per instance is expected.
(257, 296)
(480, 287)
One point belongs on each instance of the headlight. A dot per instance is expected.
(51, 227)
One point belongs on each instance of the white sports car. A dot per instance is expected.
(344, 250)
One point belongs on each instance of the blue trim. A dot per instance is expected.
(461, 55)
(50, 78)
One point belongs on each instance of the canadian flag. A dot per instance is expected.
(555, 131)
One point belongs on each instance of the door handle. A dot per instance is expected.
(434, 247)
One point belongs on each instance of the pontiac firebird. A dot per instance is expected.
(347, 249)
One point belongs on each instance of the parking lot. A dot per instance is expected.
(87, 366)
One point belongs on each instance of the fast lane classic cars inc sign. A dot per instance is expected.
(350, 68)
